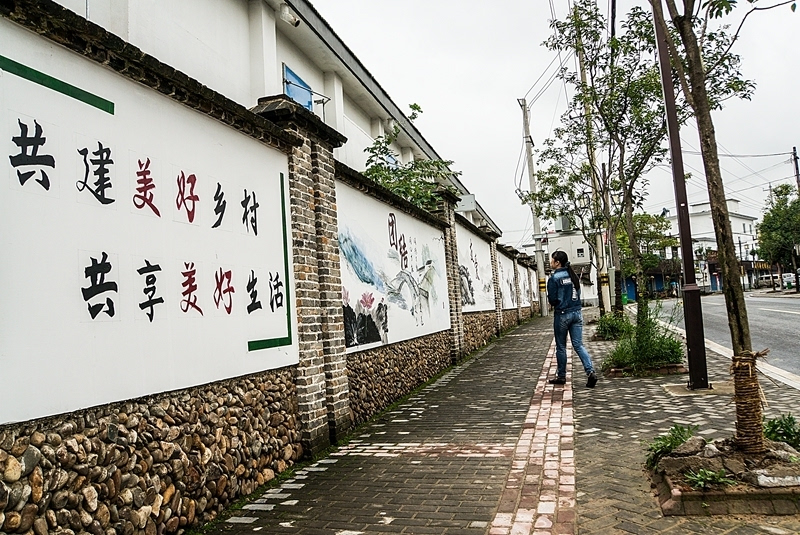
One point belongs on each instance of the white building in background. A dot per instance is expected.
(248, 49)
(704, 239)
(743, 227)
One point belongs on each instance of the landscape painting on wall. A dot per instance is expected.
(475, 271)
(506, 268)
(393, 273)
(524, 287)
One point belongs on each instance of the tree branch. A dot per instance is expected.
(739, 29)
(677, 64)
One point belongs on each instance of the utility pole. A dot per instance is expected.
(537, 226)
(600, 248)
(796, 167)
(693, 313)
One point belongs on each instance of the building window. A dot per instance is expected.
(579, 252)
(296, 89)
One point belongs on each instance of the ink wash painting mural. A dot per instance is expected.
(475, 271)
(144, 244)
(524, 286)
(506, 268)
(393, 273)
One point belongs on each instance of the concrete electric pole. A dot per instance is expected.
(602, 263)
(537, 227)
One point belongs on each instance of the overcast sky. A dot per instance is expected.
(466, 63)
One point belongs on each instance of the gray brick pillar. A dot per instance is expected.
(516, 288)
(498, 297)
(446, 211)
(321, 376)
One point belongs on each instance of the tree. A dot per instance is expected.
(693, 73)
(617, 113)
(651, 237)
(415, 181)
(779, 229)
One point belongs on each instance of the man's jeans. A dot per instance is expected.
(572, 323)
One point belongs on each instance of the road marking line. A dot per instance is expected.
(781, 311)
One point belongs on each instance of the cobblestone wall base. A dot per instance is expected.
(379, 377)
(158, 464)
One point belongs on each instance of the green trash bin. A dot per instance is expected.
(624, 299)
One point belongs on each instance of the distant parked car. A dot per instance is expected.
(788, 278)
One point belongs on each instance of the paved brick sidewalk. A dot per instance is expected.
(439, 464)
(491, 448)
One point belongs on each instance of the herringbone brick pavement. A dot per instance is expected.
(490, 448)
(615, 419)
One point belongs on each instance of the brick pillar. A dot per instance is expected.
(337, 389)
(516, 289)
(498, 298)
(321, 376)
(446, 211)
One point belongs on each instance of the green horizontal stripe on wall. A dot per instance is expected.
(23, 71)
(255, 345)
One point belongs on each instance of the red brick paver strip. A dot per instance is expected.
(539, 496)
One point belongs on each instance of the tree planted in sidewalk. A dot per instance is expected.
(694, 73)
(613, 130)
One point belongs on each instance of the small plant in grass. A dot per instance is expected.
(665, 444)
(783, 429)
(613, 326)
(705, 479)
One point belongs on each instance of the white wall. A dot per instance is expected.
(393, 273)
(357, 127)
(50, 237)
(352, 154)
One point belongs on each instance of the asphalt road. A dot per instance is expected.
(774, 324)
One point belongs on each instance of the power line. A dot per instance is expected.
(541, 75)
(697, 153)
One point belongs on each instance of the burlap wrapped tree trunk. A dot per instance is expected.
(747, 396)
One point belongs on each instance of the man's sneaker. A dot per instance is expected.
(592, 380)
(558, 381)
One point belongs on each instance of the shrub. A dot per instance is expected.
(613, 326)
(783, 429)
(647, 345)
(665, 444)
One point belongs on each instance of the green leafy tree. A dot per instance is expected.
(779, 229)
(651, 238)
(613, 130)
(415, 181)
